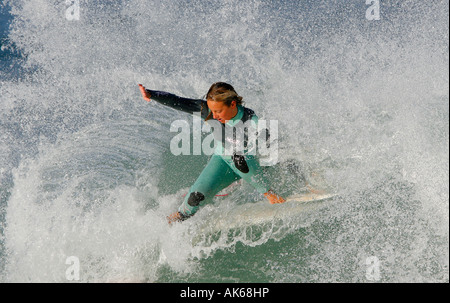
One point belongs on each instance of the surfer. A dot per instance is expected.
(224, 105)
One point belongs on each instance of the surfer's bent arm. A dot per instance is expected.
(179, 103)
(255, 175)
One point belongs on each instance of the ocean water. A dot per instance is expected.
(86, 172)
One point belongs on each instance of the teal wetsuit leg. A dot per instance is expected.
(216, 176)
(254, 176)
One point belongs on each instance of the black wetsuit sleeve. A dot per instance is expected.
(179, 103)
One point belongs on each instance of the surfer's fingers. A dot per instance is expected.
(145, 94)
(274, 198)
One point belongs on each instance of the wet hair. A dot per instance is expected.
(222, 92)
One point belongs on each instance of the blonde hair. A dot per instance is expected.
(223, 92)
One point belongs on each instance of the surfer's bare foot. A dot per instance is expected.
(274, 198)
(175, 217)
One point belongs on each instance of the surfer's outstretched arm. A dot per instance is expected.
(179, 103)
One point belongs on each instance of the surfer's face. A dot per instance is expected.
(221, 111)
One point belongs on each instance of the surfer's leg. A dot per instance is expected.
(216, 176)
(248, 168)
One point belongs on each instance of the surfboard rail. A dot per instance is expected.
(262, 212)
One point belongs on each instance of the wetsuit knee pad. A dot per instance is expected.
(195, 198)
(240, 163)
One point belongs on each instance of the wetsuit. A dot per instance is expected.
(222, 169)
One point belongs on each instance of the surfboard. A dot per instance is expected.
(262, 212)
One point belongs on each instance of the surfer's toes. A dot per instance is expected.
(175, 217)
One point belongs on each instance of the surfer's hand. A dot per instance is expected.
(145, 93)
(274, 198)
